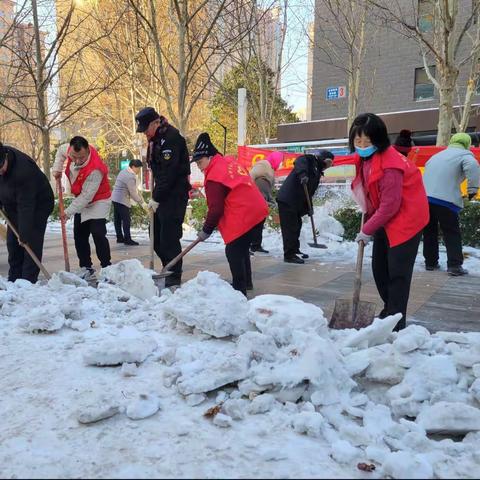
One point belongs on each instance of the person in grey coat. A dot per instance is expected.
(125, 190)
(443, 174)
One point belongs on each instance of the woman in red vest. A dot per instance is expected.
(389, 189)
(235, 206)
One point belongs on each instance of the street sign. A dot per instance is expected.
(334, 93)
(124, 164)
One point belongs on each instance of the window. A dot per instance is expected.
(425, 15)
(423, 89)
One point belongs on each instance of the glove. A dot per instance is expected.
(471, 196)
(152, 205)
(202, 236)
(304, 180)
(363, 237)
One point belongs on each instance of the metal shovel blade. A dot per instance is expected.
(343, 314)
(158, 276)
(317, 245)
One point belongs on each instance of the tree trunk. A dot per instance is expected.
(40, 91)
(447, 82)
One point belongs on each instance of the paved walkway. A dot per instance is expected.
(437, 301)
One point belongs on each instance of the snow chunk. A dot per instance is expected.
(117, 351)
(60, 279)
(279, 315)
(129, 370)
(211, 373)
(195, 399)
(449, 418)
(95, 413)
(143, 407)
(210, 304)
(383, 367)
(375, 334)
(221, 420)
(262, 404)
(257, 346)
(48, 318)
(344, 452)
(420, 382)
(132, 277)
(236, 408)
(406, 465)
(309, 423)
(411, 338)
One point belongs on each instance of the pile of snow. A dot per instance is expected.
(131, 276)
(197, 304)
(268, 372)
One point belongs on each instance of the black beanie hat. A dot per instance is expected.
(203, 147)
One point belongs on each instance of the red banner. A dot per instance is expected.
(248, 156)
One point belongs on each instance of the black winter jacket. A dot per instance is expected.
(24, 192)
(292, 192)
(169, 161)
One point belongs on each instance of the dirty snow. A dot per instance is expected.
(134, 377)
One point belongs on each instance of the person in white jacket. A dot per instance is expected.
(88, 177)
(125, 190)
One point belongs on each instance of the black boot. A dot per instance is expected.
(293, 259)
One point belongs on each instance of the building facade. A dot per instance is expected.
(393, 79)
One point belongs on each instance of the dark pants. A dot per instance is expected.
(168, 221)
(121, 218)
(81, 232)
(392, 270)
(20, 263)
(257, 235)
(238, 256)
(450, 226)
(291, 225)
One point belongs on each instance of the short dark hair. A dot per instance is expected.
(135, 163)
(77, 143)
(373, 127)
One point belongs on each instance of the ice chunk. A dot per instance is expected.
(195, 399)
(129, 369)
(257, 346)
(44, 318)
(132, 277)
(449, 418)
(210, 304)
(406, 465)
(116, 351)
(60, 279)
(221, 420)
(214, 373)
(344, 452)
(310, 423)
(143, 407)
(383, 367)
(411, 338)
(375, 334)
(279, 315)
(262, 404)
(95, 413)
(236, 408)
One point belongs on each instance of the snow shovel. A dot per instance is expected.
(151, 227)
(315, 244)
(166, 269)
(353, 313)
(62, 222)
(26, 246)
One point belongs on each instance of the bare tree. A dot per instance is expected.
(49, 81)
(191, 40)
(340, 41)
(450, 38)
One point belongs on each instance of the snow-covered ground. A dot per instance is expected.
(203, 383)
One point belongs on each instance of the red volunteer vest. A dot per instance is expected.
(414, 213)
(245, 206)
(95, 163)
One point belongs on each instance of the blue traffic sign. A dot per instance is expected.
(334, 93)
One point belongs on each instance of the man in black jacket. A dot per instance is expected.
(292, 202)
(168, 159)
(27, 199)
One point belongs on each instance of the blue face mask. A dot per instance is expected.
(366, 152)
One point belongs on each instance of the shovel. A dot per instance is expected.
(62, 222)
(315, 244)
(166, 269)
(26, 246)
(354, 313)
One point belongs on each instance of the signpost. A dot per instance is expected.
(334, 93)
